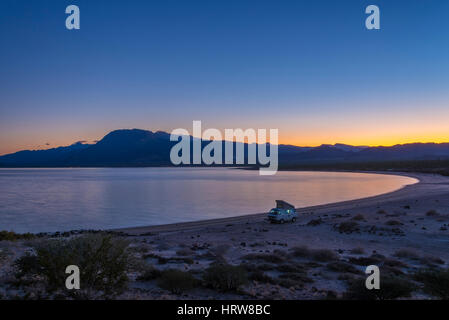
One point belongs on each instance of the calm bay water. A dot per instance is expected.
(38, 200)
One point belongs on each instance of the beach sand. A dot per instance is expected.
(411, 203)
(413, 220)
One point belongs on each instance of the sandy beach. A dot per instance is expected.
(414, 218)
(314, 258)
(410, 203)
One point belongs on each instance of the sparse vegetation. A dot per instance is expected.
(12, 236)
(343, 267)
(358, 217)
(391, 288)
(436, 282)
(315, 222)
(220, 250)
(274, 257)
(357, 251)
(393, 223)
(431, 261)
(322, 255)
(298, 278)
(164, 260)
(432, 213)
(406, 254)
(261, 277)
(348, 227)
(176, 281)
(291, 267)
(300, 251)
(149, 273)
(102, 260)
(4, 252)
(185, 252)
(365, 261)
(225, 277)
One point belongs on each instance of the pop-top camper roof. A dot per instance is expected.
(281, 204)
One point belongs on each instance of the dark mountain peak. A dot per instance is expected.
(78, 144)
(137, 147)
(125, 137)
(347, 147)
(132, 135)
(325, 147)
(127, 133)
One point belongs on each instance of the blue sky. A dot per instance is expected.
(309, 68)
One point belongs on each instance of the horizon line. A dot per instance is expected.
(93, 142)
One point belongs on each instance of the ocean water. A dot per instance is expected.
(46, 200)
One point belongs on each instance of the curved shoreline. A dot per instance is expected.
(405, 192)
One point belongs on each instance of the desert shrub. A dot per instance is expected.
(266, 266)
(393, 223)
(149, 273)
(288, 283)
(358, 217)
(394, 271)
(394, 263)
(164, 260)
(268, 257)
(12, 236)
(185, 252)
(365, 261)
(176, 281)
(346, 276)
(395, 287)
(315, 222)
(436, 282)
(225, 277)
(300, 251)
(261, 277)
(220, 250)
(291, 267)
(406, 253)
(27, 265)
(280, 253)
(4, 253)
(299, 278)
(323, 255)
(250, 268)
(390, 288)
(102, 260)
(432, 213)
(357, 251)
(378, 256)
(348, 227)
(431, 260)
(340, 266)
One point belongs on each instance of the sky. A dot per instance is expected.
(310, 69)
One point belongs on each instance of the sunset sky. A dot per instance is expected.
(309, 68)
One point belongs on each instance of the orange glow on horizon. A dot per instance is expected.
(361, 142)
(283, 139)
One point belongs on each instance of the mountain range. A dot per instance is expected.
(136, 148)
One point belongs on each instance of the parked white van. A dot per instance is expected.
(284, 212)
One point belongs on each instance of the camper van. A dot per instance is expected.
(284, 212)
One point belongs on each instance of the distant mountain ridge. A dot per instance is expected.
(136, 147)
